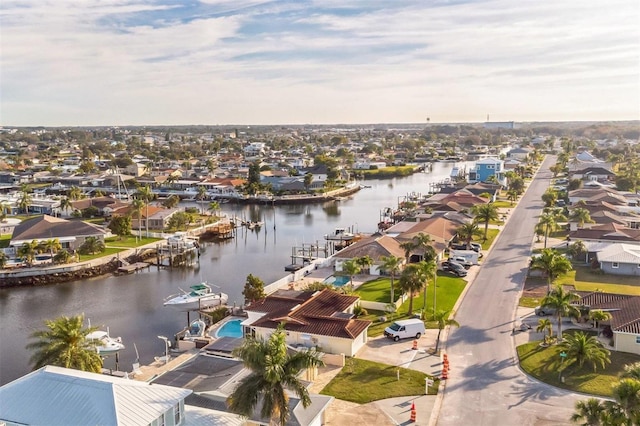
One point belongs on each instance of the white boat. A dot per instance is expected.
(340, 234)
(196, 330)
(105, 344)
(200, 296)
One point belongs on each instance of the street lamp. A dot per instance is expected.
(166, 350)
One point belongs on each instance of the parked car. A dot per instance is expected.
(461, 260)
(462, 246)
(454, 268)
(476, 247)
(411, 328)
(542, 311)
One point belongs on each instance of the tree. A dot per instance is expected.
(351, 268)
(412, 280)
(598, 315)
(589, 412)
(214, 207)
(65, 204)
(25, 200)
(485, 213)
(364, 262)
(581, 348)
(308, 180)
(62, 257)
(577, 249)
(171, 202)
(443, 320)
(549, 221)
(631, 371)
(544, 326)
(75, 193)
(92, 245)
(627, 395)
(3, 260)
(28, 251)
(202, 195)
(145, 194)
(273, 369)
(580, 215)
(391, 265)
(52, 245)
(552, 264)
(512, 195)
(550, 197)
(408, 247)
(562, 301)
(422, 243)
(64, 343)
(120, 225)
(136, 209)
(253, 289)
(467, 231)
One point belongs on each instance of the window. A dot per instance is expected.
(177, 414)
(161, 420)
(638, 340)
(615, 265)
(490, 166)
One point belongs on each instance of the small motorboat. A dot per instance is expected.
(105, 344)
(200, 296)
(339, 234)
(196, 330)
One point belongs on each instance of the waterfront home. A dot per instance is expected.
(156, 217)
(459, 200)
(376, 247)
(71, 233)
(61, 396)
(105, 205)
(322, 319)
(441, 228)
(485, 169)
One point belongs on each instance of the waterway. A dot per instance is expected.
(132, 305)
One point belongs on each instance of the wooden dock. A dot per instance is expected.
(132, 267)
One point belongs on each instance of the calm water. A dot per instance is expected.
(131, 306)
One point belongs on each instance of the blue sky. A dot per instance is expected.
(134, 62)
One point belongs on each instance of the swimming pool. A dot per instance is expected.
(337, 280)
(231, 328)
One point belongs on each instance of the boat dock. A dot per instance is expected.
(130, 268)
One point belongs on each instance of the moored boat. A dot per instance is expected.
(200, 296)
(340, 234)
(104, 343)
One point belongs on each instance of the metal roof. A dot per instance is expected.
(61, 396)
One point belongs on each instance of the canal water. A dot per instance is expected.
(132, 305)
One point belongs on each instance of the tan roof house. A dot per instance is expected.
(376, 247)
(71, 233)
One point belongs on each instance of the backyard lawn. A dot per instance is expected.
(129, 242)
(378, 290)
(545, 364)
(109, 251)
(448, 291)
(586, 279)
(362, 381)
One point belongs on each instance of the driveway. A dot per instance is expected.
(486, 386)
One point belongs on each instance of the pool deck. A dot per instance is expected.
(321, 274)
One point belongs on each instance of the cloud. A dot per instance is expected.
(224, 61)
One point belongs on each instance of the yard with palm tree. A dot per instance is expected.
(544, 363)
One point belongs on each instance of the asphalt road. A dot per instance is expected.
(485, 385)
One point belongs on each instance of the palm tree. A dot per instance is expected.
(428, 270)
(4, 210)
(581, 347)
(391, 264)
(92, 245)
(25, 200)
(589, 412)
(64, 343)
(512, 195)
(412, 280)
(51, 246)
(598, 315)
(443, 320)
(485, 213)
(544, 326)
(146, 195)
(201, 196)
(408, 247)
(3, 260)
(422, 243)
(273, 369)
(214, 207)
(62, 257)
(580, 215)
(75, 193)
(136, 207)
(552, 264)
(550, 223)
(467, 231)
(577, 249)
(562, 301)
(65, 204)
(631, 371)
(364, 262)
(351, 268)
(627, 394)
(28, 251)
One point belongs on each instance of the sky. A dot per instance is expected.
(216, 62)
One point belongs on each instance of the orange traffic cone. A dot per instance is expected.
(415, 345)
(413, 413)
(445, 358)
(445, 373)
(445, 366)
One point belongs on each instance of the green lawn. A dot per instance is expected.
(544, 364)
(491, 235)
(4, 240)
(504, 204)
(585, 279)
(448, 291)
(109, 251)
(362, 381)
(378, 290)
(530, 302)
(130, 241)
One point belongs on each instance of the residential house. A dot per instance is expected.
(460, 200)
(609, 232)
(519, 153)
(105, 205)
(485, 169)
(593, 173)
(442, 230)
(71, 233)
(61, 396)
(376, 247)
(157, 217)
(322, 319)
(620, 259)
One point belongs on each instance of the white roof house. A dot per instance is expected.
(61, 396)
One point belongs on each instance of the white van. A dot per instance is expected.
(411, 328)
